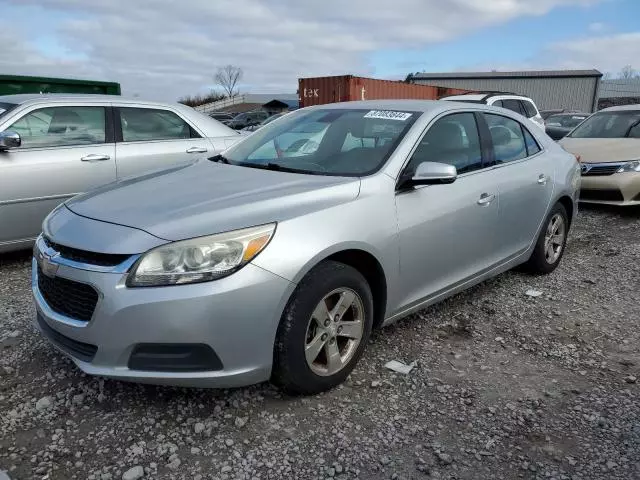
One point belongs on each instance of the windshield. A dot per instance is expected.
(567, 121)
(618, 124)
(342, 142)
(6, 107)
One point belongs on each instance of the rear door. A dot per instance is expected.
(524, 176)
(152, 138)
(66, 149)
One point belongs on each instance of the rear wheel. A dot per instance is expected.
(324, 329)
(551, 242)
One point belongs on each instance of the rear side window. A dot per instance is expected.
(513, 105)
(508, 140)
(146, 124)
(529, 108)
(532, 145)
(61, 127)
(497, 103)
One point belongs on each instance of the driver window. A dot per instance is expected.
(453, 139)
(61, 126)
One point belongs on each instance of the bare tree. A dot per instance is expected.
(228, 77)
(628, 72)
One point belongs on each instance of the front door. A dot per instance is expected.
(525, 182)
(446, 232)
(153, 139)
(65, 150)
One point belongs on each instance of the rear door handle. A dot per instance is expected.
(542, 179)
(196, 150)
(486, 198)
(95, 157)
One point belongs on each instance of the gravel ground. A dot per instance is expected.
(506, 386)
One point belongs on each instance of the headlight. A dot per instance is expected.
(633, 166)
(200, 259)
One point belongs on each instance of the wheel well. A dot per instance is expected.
(567, 203)
(372, 271)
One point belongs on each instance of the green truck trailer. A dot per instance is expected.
(13, 84)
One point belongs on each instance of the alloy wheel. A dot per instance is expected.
(334, 331)
(554, 238)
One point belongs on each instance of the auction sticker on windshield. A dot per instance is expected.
(388, 115)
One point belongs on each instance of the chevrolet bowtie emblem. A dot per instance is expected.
(47, 267)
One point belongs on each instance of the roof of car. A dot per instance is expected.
(74, 97)
(620, 108)
(483, 96)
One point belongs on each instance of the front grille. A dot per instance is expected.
(80, 350)
(72, 299)
(611, 195)
(85, 256)
(600, 169)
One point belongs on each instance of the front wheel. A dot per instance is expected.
(324, 329)
(551, 242)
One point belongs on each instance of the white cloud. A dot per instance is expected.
(164, 49)
(606, 53)
(597, 27)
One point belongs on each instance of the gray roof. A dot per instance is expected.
(521, 74)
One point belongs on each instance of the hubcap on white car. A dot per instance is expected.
(334, 331)
(554, 238)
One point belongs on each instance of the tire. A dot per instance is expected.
(540, 262)
(300, 329)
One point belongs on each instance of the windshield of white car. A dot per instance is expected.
(616, 124)
(332, 141)
(6, 108)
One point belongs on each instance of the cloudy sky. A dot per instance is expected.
(163, 49)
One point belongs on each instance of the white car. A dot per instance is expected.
(516, 103)
(55, 146)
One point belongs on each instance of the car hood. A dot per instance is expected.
(603, 150)
(204, 197)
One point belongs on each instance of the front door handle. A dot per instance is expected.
(196, 150)
(95, 157)
(542, 179)
(486, 199)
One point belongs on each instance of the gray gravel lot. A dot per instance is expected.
(506, 386)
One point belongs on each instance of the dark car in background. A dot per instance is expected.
(270, 119)
(547, 113)
(248, 119)
(223, 117)
(559, 125)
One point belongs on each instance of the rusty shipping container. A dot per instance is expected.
(345, 88)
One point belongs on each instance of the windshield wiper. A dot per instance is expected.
(276, 167)
(219, 159)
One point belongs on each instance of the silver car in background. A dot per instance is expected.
(277, 259)
(55, 146)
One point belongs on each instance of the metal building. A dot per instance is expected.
(619, 91)
(549, 89)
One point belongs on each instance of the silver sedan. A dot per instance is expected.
(55, 146)
(276, 260)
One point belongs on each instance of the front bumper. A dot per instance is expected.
(617, 189)
(236, 316)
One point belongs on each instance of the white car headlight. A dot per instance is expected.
(633, 166)
(199, 259)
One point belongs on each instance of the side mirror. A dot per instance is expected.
(433, 173)
(9, 139)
